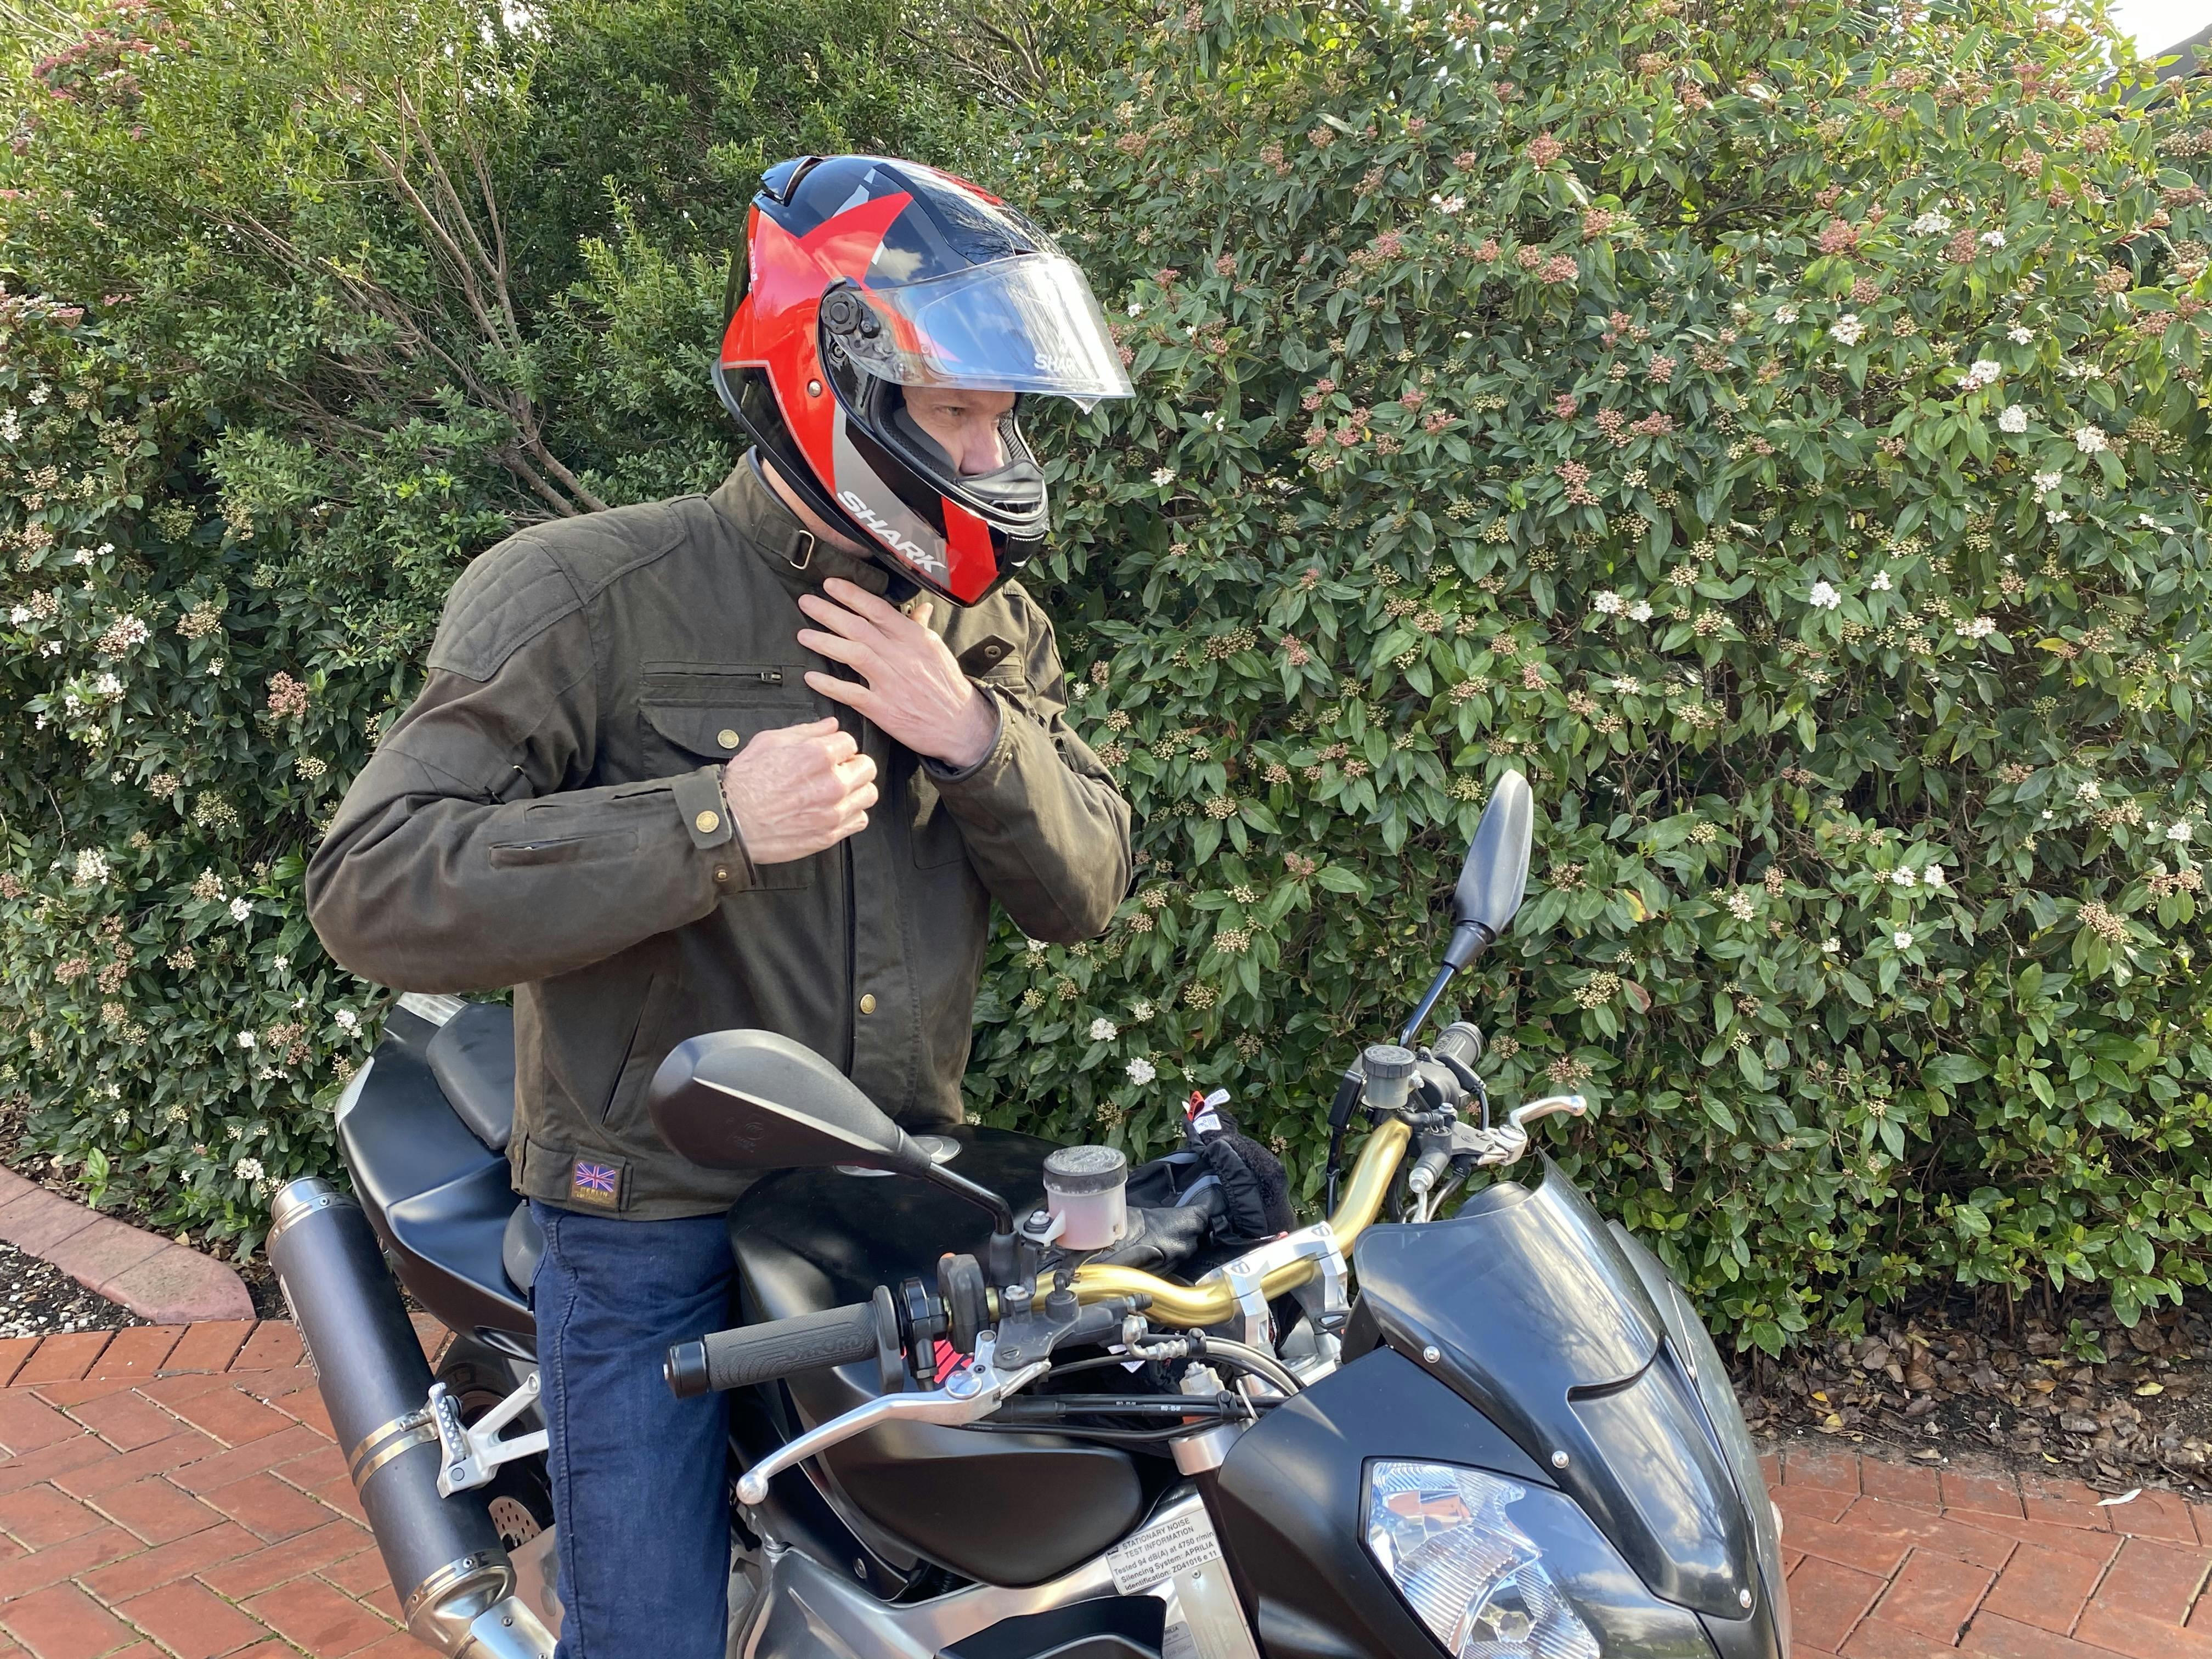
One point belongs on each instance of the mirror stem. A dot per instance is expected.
(1469, 940)
(1427, 1006)
(1002, 1214)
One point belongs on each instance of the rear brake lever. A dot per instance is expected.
(970, 1390)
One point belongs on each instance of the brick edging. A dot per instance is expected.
(154, 1277)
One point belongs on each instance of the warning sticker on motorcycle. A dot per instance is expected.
(1162, 1551)
(1180, 1560)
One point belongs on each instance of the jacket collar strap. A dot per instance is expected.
(801, 560)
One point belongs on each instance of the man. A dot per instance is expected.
(691, 766)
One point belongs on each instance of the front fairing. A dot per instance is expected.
(1541, 1319)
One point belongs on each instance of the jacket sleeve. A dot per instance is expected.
(463, 858)
(1044, 825)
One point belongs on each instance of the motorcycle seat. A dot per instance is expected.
(472, 1058)
(521, 1247)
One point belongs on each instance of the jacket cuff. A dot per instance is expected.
(940, 773)
(714, 830)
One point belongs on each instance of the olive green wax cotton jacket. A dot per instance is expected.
(547, 816)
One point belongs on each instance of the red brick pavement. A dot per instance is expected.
(1895, 1561)
(173, 1493)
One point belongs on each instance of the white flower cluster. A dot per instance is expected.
(239, 909)
(1847, 329)
(1103, 1030)
(1993, 238)
(91, 867)
(1880, 582)
(246, 1040)
(1824, 597)
(1608, 602)
(2020, 334)
(1741, 905)
(20, 617)
(2090, 440)
(1984, 372)
(1976, 627)
(2047, 482)
(2013, 418)
(1931, 223)
(108, 686)
(1785, 315)
(247, 1169)
(1141, 1071)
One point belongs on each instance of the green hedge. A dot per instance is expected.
(1777, 432)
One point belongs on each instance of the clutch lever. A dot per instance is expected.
(1572, 1105)
(972, 1389)
(1508, 1142)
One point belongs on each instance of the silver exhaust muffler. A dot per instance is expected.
(455, 1583)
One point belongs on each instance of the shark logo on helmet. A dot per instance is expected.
(883, 531)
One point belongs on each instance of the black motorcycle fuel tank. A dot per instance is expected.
(1539, 1320)
(1005, 1509)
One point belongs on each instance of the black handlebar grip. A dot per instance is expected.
(760, 1353)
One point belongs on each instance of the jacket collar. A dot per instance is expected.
(801, 559)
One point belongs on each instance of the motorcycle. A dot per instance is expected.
(969, 1418)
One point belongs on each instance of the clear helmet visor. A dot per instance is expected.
(1025, 325)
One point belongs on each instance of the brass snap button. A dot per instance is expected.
(868, 1003)
(708, 823)
(726, 737)
(721, 873)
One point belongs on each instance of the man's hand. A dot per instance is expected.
(914, 691)
(797, 789)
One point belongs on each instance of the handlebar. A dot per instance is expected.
(1193, 1306)
(763, 1353)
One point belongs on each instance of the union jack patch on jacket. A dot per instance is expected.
(596, 1183)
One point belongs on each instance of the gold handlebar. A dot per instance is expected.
(1196, 1305)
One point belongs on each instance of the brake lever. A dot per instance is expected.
(972, 1389)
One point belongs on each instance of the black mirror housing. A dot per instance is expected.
(1495, 876)
(755, 1100)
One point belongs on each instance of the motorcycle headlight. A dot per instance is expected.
(1443, 1535)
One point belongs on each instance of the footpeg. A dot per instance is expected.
(470, 1452)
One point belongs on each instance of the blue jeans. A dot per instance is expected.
(639, 1489)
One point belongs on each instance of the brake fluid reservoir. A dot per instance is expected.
(1084, 1187)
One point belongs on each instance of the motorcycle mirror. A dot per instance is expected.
(1493, 879)
(755, 1100)
(1495, 875)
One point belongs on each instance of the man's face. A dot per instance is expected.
(963, 424)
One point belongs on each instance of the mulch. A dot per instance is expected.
(2065, 1390)
(38, 1299)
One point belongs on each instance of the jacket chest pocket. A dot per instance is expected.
(698, 717)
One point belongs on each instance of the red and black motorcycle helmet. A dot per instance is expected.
(864, 276)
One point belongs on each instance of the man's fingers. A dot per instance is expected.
(788, 734)
(856, 771)
(838, 649)
(838, 746)
(854, 596)
(844, 691)
(853, 625)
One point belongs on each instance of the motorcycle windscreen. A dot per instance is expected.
(1542, 1324)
